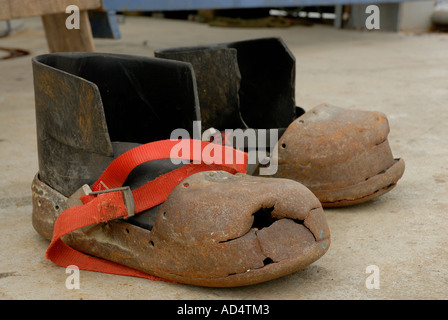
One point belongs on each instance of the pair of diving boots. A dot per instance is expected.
(110, 197)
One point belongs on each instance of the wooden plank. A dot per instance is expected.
(61, 39)
(13, 9)
(5, 9)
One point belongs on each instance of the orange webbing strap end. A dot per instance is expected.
(103, 208)
(111, 205)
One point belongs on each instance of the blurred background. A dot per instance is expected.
(399, 68)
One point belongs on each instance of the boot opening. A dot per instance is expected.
(263, 218)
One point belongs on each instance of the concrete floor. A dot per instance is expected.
(404, 232)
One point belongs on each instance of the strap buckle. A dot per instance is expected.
(127, 196)
(75, 198)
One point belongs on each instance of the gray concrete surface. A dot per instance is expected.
(404, 233)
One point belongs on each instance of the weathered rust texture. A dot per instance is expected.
(205, 232)
(343, 156)
(47, 205)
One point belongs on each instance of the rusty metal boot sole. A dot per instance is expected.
(215, 232)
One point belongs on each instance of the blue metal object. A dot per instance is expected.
(104, 24)
(167, 5)
(107, 26)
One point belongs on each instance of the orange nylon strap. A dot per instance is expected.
(117, 172)
(108, 206)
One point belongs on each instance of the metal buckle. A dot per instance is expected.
(74, 199)
(127, 196)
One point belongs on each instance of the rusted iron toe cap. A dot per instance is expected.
(372, 188)
(343, 156)
(218, 229)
